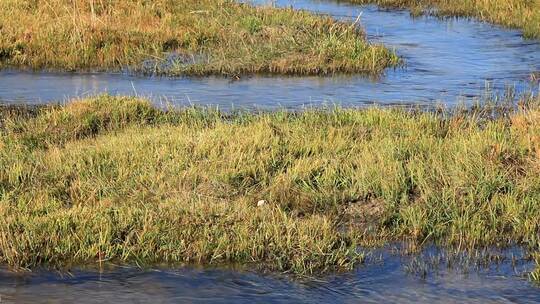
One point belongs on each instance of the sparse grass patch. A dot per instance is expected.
(188, 37)
(535, 275)
(112, 178)
(521, 14)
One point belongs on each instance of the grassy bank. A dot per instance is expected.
(520, 14)
(116, 179)
(189, 37)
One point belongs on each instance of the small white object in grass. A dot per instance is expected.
(261, 203)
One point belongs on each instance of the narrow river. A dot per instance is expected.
(447, 61)
(389, 278)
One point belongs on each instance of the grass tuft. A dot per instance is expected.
(188, 37)
(112, 178)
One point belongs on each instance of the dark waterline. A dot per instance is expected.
(392, 279)
(448, 61)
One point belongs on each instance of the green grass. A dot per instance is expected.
(520, 14)
(535, 275)
(113, 178)
(188, 37)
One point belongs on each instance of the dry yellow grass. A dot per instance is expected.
(113, 178)
(181, 37)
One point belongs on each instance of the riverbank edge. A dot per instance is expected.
(514, 14)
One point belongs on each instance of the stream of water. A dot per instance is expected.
(389, 278)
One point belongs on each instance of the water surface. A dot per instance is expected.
(392, 279)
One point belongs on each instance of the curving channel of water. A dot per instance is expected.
(447, 61)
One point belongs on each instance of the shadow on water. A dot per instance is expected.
(387, 277)
(445, 59)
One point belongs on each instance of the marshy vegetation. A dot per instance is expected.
(189, 37)
(113, 178)
(521, 14)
